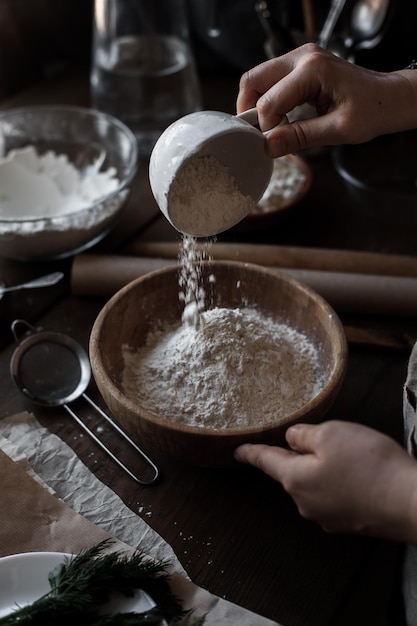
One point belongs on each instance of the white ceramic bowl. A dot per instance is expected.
(91, 141)
(24, 578)
(232, 140)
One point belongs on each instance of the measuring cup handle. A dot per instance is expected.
(251, 116)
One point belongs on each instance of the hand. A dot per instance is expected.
(345, 476)
(353, 104)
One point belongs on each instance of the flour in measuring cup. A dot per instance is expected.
(237, 368)
(204, 198)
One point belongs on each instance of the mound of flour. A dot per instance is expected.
(237, 368)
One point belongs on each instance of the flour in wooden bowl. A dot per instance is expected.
(238, 368)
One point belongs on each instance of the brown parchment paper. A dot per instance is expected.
(34, 517)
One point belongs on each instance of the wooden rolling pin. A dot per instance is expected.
(103, 275)
(328, 260)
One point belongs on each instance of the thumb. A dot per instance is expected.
(270, 459)
(302, 438)
(301, 134)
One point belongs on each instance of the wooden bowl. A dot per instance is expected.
(132, 313)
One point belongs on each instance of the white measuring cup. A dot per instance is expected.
(233, 140)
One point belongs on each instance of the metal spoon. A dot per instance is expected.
(367, 22)
(279, 39)
(367, 26)
(42, 281)
(213, 19)
(326, 32)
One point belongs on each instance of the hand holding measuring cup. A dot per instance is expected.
(208, 169)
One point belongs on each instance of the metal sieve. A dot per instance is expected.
(52, 369)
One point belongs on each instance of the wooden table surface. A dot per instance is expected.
(236, 531)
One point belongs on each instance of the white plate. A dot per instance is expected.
(24, 579)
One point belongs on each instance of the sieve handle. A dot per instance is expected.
(109, 452)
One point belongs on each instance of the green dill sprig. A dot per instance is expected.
(81, 584)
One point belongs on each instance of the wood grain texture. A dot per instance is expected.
(236, 531)
(152, 301)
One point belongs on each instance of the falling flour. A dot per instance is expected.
(236, 368)
(191, 288)
(204, 198)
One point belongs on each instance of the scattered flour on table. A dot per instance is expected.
(237, 368)
(204, 198)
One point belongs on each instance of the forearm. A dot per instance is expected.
(396, 108)
(397, 518)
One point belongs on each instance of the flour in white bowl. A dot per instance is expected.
(204, 198)
(48, 185)
(238, 368)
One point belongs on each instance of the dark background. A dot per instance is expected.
(39, 38)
